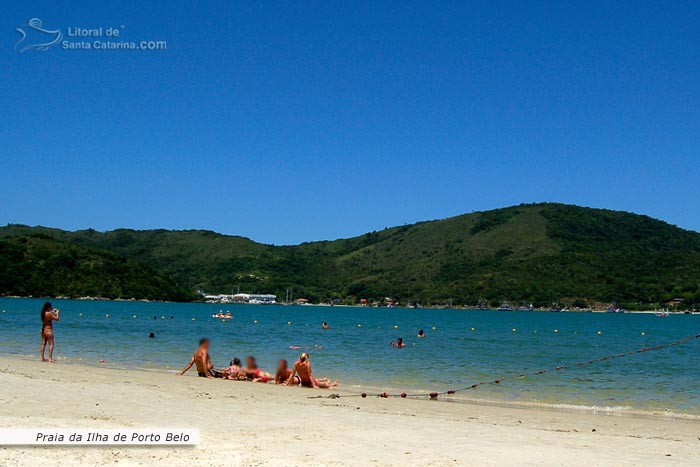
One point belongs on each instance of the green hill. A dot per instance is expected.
(540, 253)
(40, 266)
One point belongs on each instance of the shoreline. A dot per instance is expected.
(328, 305)
(266, 425)
(351, 390)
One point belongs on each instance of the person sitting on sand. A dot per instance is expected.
(421, 334)
(284, 373)
(49, 314)
(255, 374)
(302, 367)
(234, 369)
(201, 358)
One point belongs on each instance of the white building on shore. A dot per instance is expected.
(257, 299)
(253, 299)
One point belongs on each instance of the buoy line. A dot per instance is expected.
(436, 394)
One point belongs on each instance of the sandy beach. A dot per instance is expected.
(263, 425)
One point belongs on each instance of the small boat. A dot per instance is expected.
(662, 314)
(221, 315)
(504, 307)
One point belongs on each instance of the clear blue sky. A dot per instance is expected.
(288, 122)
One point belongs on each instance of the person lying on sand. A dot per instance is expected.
(254, 373)
(284, 373)
(234, 370)
(302, 367)
(201, 358)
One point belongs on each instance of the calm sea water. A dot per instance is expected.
(452, 354)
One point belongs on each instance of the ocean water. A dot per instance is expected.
(663, 382)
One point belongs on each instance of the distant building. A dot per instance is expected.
(257, 299)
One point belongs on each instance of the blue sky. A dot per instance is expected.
(289, 122)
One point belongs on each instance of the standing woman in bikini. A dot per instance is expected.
(48, 315)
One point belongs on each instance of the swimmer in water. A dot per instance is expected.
(201, 358)
(421, 334)
(302, 368)
(49, 314)
(284, 373)
(399, 343)
(324, 326)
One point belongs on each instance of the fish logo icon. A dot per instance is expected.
(35, 37)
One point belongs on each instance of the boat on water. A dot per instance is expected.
(662, 314)
(222, 315)
(504, 307)
(614, 309)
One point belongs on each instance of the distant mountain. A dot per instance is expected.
(40, 266)
(537, 253)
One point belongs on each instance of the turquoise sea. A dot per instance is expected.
(501, 344)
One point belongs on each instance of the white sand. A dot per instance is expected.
(263, 425)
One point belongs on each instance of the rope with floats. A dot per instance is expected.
(436, 394)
